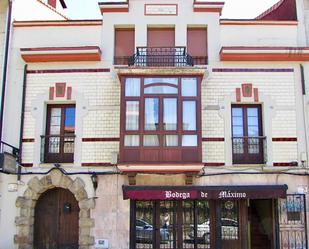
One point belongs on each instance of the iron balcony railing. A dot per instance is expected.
(249, 150)
(161, 57)
(57, 149)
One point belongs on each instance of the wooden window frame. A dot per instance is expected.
(60, 157)
(246, 158)
(195, 152)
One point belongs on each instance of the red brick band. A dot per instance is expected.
(213, 139)
(214, 164)
(97, 164)
(101, 139)
(28, 140)
(284, 139)
(94, 70)
(285, 164)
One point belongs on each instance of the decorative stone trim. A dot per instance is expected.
(26, 204)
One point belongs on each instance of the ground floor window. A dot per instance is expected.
(186, 224)
(219, 224)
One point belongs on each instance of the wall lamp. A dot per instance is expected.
(94, 179)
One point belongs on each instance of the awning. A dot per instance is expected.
(204, 192)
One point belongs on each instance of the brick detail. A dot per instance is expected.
(101, 139)
(96, 164)
(256, 94)
(246, 90)
(27, 165)
(213, 139)
(60, 90)
(253, 70)
(28, 140)
(284, 139)
(285, 164)
(51, 93)
(238, 96)
(98, 70)
(209, 164)
(69, 93)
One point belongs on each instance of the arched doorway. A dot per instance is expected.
(56, 223)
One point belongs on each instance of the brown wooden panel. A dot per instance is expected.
(190, 155)
(150, 155)
(197, 41)
(124, 42)
(56, 220)
(161, 37)
(131, 155)
(171, 155)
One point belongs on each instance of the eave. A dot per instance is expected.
(61, 54)
(113, 7)
(208, 6)
(264, 54)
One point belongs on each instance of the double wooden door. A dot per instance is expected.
(56, 220)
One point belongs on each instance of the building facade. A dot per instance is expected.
(162, 126)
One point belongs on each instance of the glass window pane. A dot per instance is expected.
(151, 140)
(189, 115)
(170, 114)
(229, 220)
(171, 140)
(132, 115)
(69, 122)
(189, 140)
(161, 89)
(55, 121)
(189, 87)
(238, 131)
(237, 121)
(252, 112)
(54, 144)
(253, 131)
(253, 121)
(151, 113)
(131, 140)
(173, 81)
(132, 87)
(236, 112)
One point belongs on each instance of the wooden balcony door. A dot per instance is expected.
(247, 134)
(56, 221)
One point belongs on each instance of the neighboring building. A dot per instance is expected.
(161, 126)
(43, 9)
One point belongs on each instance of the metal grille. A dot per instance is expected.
(249, 149)
(292, 222)
(57, 146)
(161, 57)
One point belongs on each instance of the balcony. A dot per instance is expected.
(161, 57)
(249, 150)
(57, 149)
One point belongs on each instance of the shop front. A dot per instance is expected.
(214, 217)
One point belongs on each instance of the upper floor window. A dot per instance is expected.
(124, 45)
(197, 45)
(58, 143)
(160, 119)
(247, 134)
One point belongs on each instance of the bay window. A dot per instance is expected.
(160, 119)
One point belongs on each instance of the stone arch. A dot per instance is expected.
(26, 204)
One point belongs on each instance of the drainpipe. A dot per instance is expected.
(22, 115)
(5, 64)
(303, 85)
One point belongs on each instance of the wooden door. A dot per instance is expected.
(56, 220)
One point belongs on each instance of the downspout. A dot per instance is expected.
(303, 85)
(22, 116)
(5, 64)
